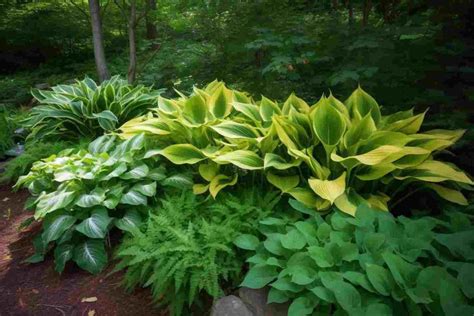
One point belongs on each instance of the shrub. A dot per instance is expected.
(185, 248)
(370, 264)
(81, 196)
(328, 153)
(86, 109)
(6, 141)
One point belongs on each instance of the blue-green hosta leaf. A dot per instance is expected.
(148, 189)
(301, 306)
(244, 159)
(90, 255)
(138, 172)
(130, 222)
(53, 201)
(404, 273)
(95, 197)
(95, 226)
(322, 256)
(62, 254)
(276, 296)
(259, 276)
(53, 229)
(293, 239)
(133, 198)
(380, 278)
(247, 242)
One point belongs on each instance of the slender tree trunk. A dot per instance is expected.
(350, 11)
(98, 41)
(132, 66)
(151, 31)
(366, 12)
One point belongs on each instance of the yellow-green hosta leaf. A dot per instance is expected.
(435, 171)
(232, 129)
(213, 86)
(453, 135)
(328, 124)
(200, 188)
(220, 182)
(370, 173)
(244, 159)
(182, 154)
(167, 105)
(409, 125)
(296, 103)
(398, 116)
(382, 154)
(220, 102)
(284, 183)
(329, 189)
(241, 97)
(360, 103)
(378, 201)
(195, 110)
(448, 194)
(341, 107)
(320, 171)
(304, 195)
(286, 133)
(359, 131)
(209, 170)
(268, 108)
(345, 205)
(300, 120)
(249, 110)
(277, 162)
(154, 126)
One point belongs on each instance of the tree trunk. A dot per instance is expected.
(350, 11)
(366, 12)
(98, 41)
(151, 32)
(132, 66)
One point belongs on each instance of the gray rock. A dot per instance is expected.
(257, 302)
(230, 306)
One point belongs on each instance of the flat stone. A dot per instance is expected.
(257, 302)
(230, 306)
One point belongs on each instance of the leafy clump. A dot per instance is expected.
(87, 109)
(22, 164)
(185, 248)
(81, 196)
(324, 154)
(370, 264)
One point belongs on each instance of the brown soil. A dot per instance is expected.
(36, 289)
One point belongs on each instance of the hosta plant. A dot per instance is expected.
(370, 264)
(327, 153)
(87, 109)
(185, 248)
(79, 197)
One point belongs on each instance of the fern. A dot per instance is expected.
(186, 248)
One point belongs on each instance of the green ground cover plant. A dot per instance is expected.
(370, 264)
(185, 249)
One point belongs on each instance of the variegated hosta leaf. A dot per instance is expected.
(329, 189)
(268, 108)
(435, 171)
(208, 171)
(220, 102)
(55, 227)
(277, 162)
(360, 103)
(95, 226)
(90, 255)
(293, 102)
(50, 202)
(195, 110)
(235, 130)
(244, 159)
(219, 182)
(183, 154)
(409, 125)
(130, 222)
(328, 124)
(284, 183)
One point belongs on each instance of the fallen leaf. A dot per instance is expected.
(5, 199)
(35, 291)
(89, 299)
(91, 312)
(21, 303)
